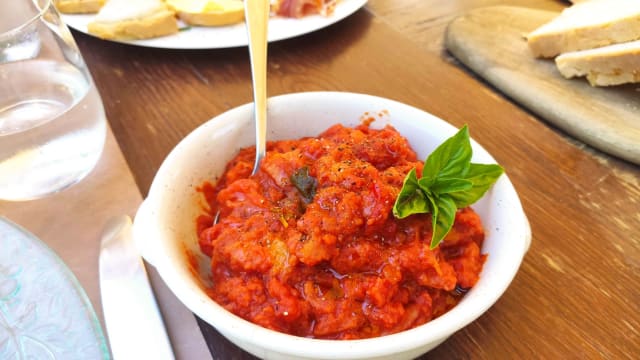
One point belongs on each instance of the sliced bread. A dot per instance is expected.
(586, 25)
(608, 65)
(78, 6)
(208, 12)
(133, 19)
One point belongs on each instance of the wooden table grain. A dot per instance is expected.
(577, 294)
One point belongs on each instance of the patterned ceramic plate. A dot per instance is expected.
(44, 312)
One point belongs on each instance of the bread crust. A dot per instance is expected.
(211, 18)
(158, 24)
(551, 44)
(587, 25)
(606, 66)
(78, 6)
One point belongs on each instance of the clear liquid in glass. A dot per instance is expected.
(52, 127)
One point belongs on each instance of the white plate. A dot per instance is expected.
(44, 312)
(233, 35)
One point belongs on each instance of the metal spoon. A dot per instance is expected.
(256, 13)
(256, 20)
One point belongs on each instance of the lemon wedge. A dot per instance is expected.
(208, 12)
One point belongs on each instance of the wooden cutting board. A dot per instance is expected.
(491, 42)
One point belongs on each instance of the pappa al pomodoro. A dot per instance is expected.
(309, 246)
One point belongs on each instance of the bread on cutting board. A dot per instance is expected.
(208, 12)
(78, 6)
(586, 25)
(604, 66)
(133, 19)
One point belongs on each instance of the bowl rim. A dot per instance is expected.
(235, 327)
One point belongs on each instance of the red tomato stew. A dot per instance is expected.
(309, 246)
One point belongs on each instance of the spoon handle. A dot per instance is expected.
(257, 18)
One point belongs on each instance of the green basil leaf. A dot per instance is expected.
(305, 183)
(482, 176)
(451, 159)
(442, 218)
(445, 186)
(449, 182)
(411, 199)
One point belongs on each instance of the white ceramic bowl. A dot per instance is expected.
(164, 226)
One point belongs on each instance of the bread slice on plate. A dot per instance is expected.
(208, 12)
(608, 65)
(78, 6)
(586, 25)
(133, 19)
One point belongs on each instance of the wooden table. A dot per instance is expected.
(577, 293)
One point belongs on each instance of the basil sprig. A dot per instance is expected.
(449, 182)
